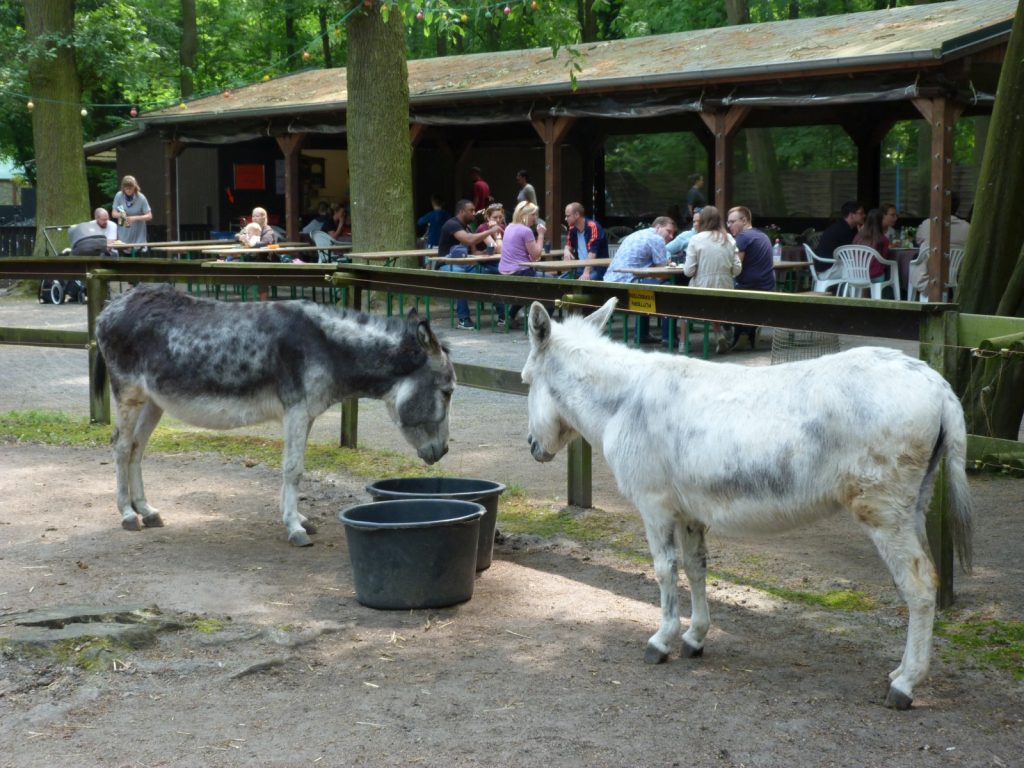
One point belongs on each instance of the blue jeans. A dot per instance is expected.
(462, 305)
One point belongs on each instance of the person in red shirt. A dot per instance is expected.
(481, 189)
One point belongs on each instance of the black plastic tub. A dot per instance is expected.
(485, 492)
(413, 553)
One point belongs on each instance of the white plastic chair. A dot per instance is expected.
(912, 293)
(856, 264)
(956, 258)
(822, 284)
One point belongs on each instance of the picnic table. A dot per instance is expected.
(465, 260)
(565, 265)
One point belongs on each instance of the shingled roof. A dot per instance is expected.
(906, 38)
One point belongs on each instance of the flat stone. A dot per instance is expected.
(134, 626)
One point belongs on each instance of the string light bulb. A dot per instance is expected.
(133, 112)
(506, 10)
(84, 112)
(305, 55)
(30, 106)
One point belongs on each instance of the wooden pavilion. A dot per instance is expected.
(862, 71)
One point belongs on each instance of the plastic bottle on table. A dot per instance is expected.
(777, 250)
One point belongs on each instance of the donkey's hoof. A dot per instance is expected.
(898, 699)
(308, 526)
(131, 523)
(654, 655)
(153, 521)
(300, 539)
(690, 652)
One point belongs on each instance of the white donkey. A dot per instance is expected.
(220, 365)
(698, 445)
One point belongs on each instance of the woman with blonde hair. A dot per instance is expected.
(519, 247)
(132, 211)
(712, 260)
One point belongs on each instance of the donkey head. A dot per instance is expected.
(546, 371)
(420, 402)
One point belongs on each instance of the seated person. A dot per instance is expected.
(958, 231)
(456, 240)
(433, 220)
(322, 219)
(640, 250)
(842, 232)
(341, 227)
(267, 235)
(495, 217)
(250, 235)
(98, 236)
(586, 240)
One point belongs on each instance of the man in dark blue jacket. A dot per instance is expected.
(586, 240)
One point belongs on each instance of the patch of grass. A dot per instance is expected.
(596, 527)
(991, 642)
(52, 428)
(208, 626)
(832, 599)
(93, 654)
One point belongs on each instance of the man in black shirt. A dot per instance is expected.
(842, 232)
(457, 240)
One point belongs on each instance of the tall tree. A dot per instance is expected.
(189, 46)
(992, 275)
(377, 124)
(62, 193)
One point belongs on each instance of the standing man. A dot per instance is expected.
(842, 232)
(481, 190)
(526, 190)
(586, 240)
(457, 240)
(758, 273)
(695, 198)
(641, 249)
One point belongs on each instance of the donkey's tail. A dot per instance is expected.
(955, 445)
(99, 375)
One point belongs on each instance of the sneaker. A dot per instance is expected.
(501, 322)
(465, 324)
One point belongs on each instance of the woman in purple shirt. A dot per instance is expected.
(519, 247)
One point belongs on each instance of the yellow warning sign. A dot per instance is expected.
(642, 301)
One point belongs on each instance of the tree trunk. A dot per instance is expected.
(992, 276)
(325, 37)
(587, 19)
(62, 191)
(189, 46)
(763, 160)
(379, 152)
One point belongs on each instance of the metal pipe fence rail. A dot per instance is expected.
(939, 328)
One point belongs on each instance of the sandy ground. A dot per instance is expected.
(542, 667)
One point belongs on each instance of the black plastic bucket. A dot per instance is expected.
(485, 492)
(413, 553)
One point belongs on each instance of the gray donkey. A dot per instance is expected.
(223, 365)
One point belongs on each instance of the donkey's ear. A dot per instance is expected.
(425, 336)
(540, 324)
(600, 318)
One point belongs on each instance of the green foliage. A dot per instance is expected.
(208, 626)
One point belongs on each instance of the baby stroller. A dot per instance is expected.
(86, 240)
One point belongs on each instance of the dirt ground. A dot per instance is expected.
(542, 667)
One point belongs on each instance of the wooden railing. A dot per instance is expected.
(939, 329)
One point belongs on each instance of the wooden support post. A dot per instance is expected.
(290, 145)
(552, 131)
(938, 349)
(172, 150)
(941, 113)
(416, 131)
(868, 133)
(580, 487)
(723, 126)
(350, 406)
(99, 391)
